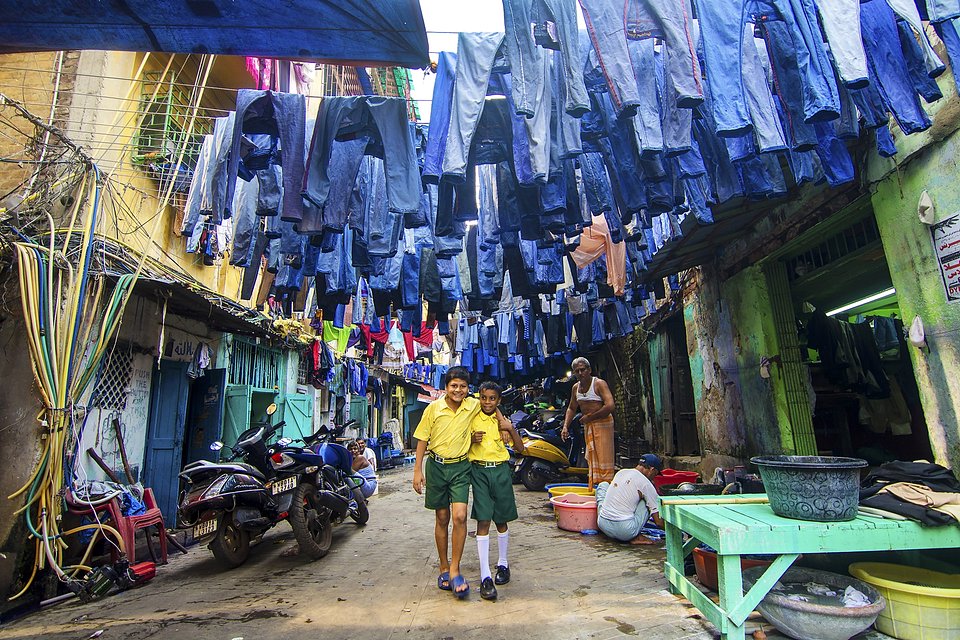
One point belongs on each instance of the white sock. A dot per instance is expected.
(503, 541)
(483, 550)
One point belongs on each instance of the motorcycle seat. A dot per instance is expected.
(205, 466)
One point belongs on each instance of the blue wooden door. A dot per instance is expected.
(168, 410)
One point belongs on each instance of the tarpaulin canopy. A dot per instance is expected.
(384, 32)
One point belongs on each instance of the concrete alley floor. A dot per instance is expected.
(380, 582)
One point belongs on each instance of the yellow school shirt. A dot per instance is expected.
(491, 448)
(446, 431)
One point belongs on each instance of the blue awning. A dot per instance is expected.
(358, 32)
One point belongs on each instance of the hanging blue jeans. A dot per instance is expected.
(282, 115)
(385, 117)
(721, 29)
(476, 54)
(646, 122)
(672, 21)
(345, 158)
(410, 280)
(563, 13)
(834, 157)
(888, 67)
(789, 85)
(439, 116)
(596, 185)
(913, 56)
(607, 30)
(246, 223)
(947, 30)
(763, 110)
(218, 192)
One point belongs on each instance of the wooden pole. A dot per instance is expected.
(103, 465)
(123, 450)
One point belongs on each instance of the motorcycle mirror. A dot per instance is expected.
(272, 408)
(284, 441)
(216, 446)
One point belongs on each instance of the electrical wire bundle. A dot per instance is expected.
(69, 328)
(60, 304)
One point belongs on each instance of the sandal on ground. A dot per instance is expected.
(443, 581)
(459, 581)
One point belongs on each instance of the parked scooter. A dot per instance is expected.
(230, 503)
(547, 458)
(334, 490)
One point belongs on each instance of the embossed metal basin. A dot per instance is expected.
(819, 488)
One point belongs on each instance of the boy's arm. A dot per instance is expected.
(506, 427)
(418, 466)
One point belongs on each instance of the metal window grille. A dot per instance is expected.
(163, 130)
(255, 365)
(855, 237)
(306, 365)
(114, 381)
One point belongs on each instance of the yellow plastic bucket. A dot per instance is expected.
(921, 604)
(556, 490)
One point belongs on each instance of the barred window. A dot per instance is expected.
(306, 365)
(114, 380)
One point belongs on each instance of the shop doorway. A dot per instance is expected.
(674, 389)
(850, 331)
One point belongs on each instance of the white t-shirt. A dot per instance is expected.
(626, 491)
(371, 456)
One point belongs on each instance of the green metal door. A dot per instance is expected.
(298, 412)
(236, 412)
(358, 412)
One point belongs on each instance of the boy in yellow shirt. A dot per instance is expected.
(493, 497)
(444, 436)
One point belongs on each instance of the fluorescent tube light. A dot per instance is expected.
(886, 293)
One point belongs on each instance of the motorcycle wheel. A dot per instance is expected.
(231, 545)
(532, 480)
(361, 514)
(310, 522)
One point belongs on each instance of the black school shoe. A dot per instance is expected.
(503, 574)
(487, 590)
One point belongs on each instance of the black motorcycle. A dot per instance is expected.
(230, 503)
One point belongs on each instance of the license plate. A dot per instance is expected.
(205, 528)
(284, 485)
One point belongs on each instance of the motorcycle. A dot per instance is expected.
(334, 491)
(546, 457)
(227, 504)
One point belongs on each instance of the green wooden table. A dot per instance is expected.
(741, 529)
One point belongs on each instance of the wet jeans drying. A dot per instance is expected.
(607, 30)
(281, 115)
(888, 67)
(345, 158)
(721, 29)
(671, 21)
(439, 116)
(380, 117)
(217, 195)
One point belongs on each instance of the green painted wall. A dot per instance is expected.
(729, 328)
(909, 248)
(747, 299)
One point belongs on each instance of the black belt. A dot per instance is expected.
(446, 460)
(484, 463)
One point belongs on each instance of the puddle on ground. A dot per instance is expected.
(622, 626)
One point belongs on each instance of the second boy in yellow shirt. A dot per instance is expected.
(492, 485)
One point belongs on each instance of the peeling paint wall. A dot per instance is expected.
(729, 328)
(909, 248)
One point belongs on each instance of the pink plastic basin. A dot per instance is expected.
(575, 512)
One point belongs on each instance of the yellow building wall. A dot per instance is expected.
(104, 118)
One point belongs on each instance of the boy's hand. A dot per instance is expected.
(418, 480)
(477, 437)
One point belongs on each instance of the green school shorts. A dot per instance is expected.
(493, 493)
(446, 483)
